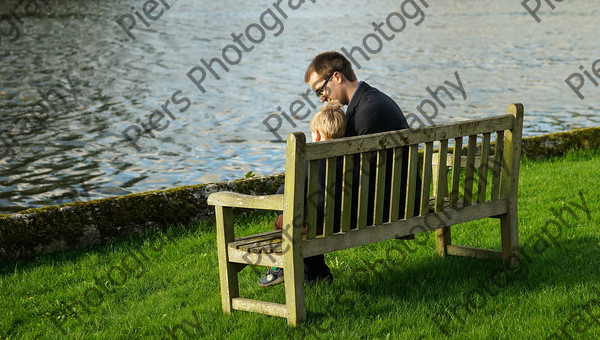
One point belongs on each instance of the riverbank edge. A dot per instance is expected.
(74, 225)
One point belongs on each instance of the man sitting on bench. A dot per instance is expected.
(331, 76)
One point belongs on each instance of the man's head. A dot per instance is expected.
(331, 74)
(329, 122)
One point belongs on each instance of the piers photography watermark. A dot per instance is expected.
(395, 22)
(191, 328)
(132, 266)
(580, 80)
(35, 121)
(427, 108)
(9, 23)
(538, 4)
(271, 20)
(127, 21)
(539, 242)
(580, 321)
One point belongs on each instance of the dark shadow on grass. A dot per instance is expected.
(432, 280)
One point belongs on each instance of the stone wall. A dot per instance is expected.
(80, 224)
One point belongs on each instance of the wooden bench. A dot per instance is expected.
(446, 198)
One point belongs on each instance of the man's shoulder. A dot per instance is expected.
(375, 99)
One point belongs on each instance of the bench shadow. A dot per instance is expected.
(433, 280)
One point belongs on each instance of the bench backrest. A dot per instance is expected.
(475, 186)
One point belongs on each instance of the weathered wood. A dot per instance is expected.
(269, 241)
(269, 308)
(411, 187)
(363, 189)
(287, 248)
(473, 252)
(426, 180)
(463, 161)
(497, 170)
(388, 140)
(396, 184)
(456, 172)
(240, 256)
(380, 186)
(441, 176)
(386, 231)
(347, 192)
(510, 181)
(312, 198)
(483, 169)
(233, 199)
(268, 234)
(293, 215)
(267, 247)
(329, 209)
(227, 271)
(470, 170)
(442, 235)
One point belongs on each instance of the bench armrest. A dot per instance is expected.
(236, 200)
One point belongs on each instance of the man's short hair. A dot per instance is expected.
(326, 63)
(330, 120)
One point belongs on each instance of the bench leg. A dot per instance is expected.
(509, 234)
(442, 239)
(294, 290)
(228, 271)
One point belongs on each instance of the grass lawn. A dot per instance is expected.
(167, 285)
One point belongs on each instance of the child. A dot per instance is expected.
(328, 123)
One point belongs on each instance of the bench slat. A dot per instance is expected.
(396, 184)
(483, 169)
(240, 256)
(312, 198)
(255, 243)
(411, 188)
(442, 176)
(329, 209)
(363, 190)
(442, 235)
(387, 231)
(426, 180)
(496, 172)
(268, 247)
(456, 172)
(387, 140)
(470, 170)
(255, 238)
(380, 186)
(347, 192)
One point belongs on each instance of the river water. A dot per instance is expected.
(78, 151)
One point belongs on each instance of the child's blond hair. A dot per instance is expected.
(330, 120)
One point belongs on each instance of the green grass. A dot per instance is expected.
(380, 291)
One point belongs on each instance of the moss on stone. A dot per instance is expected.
(557, 144)
(78, 224)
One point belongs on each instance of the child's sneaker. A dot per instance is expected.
(273, 277)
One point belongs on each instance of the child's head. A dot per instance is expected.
(329, 122)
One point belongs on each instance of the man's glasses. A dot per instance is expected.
(319, 92)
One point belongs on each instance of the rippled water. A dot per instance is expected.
(501, 54)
